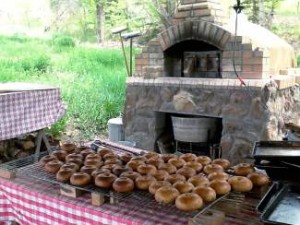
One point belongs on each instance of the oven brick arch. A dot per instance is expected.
(249, 62)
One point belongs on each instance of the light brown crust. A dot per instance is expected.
(80, 179)
(188, 202)
(123, 184)
(105, 180)
(166, 195)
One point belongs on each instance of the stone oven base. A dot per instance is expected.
(253, 113)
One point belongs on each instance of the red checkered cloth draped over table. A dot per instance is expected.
(35, 202)
(29, 110)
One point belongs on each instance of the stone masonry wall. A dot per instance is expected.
(246, 118)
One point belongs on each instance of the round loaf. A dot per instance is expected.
(53, 166)
(155, 185)
(183, 186)
(166, 194)
(259, 179)
(80, 179)
(188, 202)
(105, 180)
(240, 183)
(123, 184)
(143, 182)
(221, 187)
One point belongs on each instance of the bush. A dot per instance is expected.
(63, 41)
(18, 38)
(39, 63)
(298, 61)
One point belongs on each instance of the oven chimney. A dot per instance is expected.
(207, 10)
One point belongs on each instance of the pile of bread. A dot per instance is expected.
(187, 180)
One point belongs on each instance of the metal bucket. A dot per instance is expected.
(115, 129)
(193, 129)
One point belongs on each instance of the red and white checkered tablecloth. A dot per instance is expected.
(29, 109)
(29, 201)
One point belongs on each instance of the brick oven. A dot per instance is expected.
(190, 70)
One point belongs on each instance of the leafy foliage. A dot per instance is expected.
(92, 80)
(261, 11)
(63, 41)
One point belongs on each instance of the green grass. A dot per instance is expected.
(92, 80)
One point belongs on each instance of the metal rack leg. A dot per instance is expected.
(41, 136)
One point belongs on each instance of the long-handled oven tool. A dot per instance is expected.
(119, 31)
(131, 36)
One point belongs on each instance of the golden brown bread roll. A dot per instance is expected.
(126, 157)
(146, 169)
(188, 202)
(117, 170)
(199, 180)
(130, 174)
(88, 169)
(86, 152)
(46, 159)
(64, 175)
(113, 161)
(123, 184)
(168, 167)
(240, 183)
(93, 162)
(210, 168)
(218, 175)
(188, 157)
(194, 165)
(259, 179)
(155, 185)
(104, 151)
(133, 164)
(80, 179)
(110, 156)
(166, 194)
(60, 154)
(139, 158)
(155, 161)
(173, 178)
(187, 172)
(207, 193)
(149, 155)
(243, 169)
(99, 171)
(94, 156)
(167, 157)
(204, 160)
(53, 166)
(74, 156)
(222, 162)
(221, 187)
(68, 147)
(143, 182)
(77, 161)
(105, 180)
(160, 174)
(75, 167)
(183, 186)
(177, 162)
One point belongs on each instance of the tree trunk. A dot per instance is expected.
(100, 22)
(261, 13)
(254, 11)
